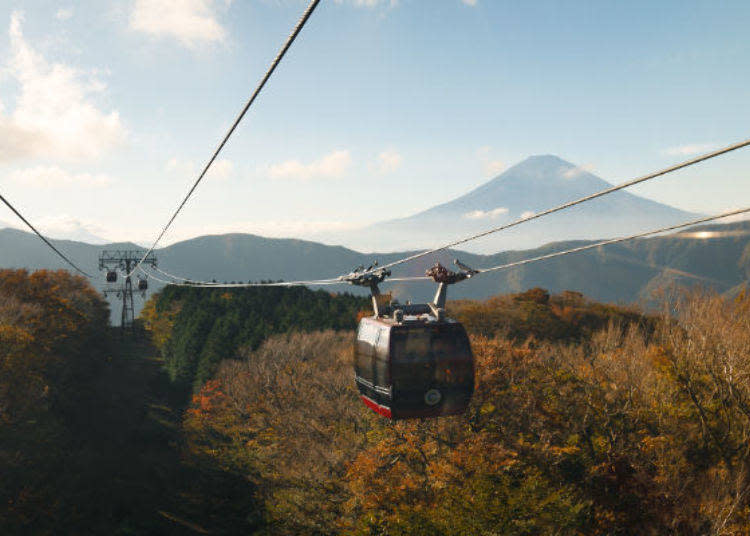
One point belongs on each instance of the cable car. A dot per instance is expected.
(411, 360)
(142, 284)
(111, 276)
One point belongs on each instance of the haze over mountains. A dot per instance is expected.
(623, 273)
(715, 256)
(535, 184)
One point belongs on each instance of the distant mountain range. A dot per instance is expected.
(715, 256)
(70, 230)
(537, 183)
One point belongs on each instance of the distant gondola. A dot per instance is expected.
(142, 284)
(410, 360)
(111, 276)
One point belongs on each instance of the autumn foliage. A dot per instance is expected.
(637, 428)
(586, 419)
(47, 321)
(53, 330)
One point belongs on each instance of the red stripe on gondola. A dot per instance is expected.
(377, 408)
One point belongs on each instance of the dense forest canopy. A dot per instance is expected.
(635, 429)
(195, 328)
(587, 418)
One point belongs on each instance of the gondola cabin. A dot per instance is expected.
(111, 276)
(409, 366)
(411, 360)
(142, 284)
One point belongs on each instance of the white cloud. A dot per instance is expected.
(191, 22)
(689, 150)
(574, 172)
(484, 151)
(221, 169)
(527, 214)
(64, 13)
(54, 115)
(493, 167)
(489, 214)
(185, 169)
(331, 166)
(71, 228)
(388, 162)
(55, 177)
(471, 3)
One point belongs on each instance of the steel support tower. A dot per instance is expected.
(124, 261)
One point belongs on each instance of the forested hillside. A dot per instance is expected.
(711, 256)
(586, 419)
(195, 328)
(53, 344)
(629, 430)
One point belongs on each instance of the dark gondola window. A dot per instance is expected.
(380, 358)
(366, 341)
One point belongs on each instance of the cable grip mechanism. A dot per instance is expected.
(444, 277)
(371, 278)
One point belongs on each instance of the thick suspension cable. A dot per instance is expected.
(506, 266)
(178, 280)
(615, 241)
(175, 277)
(297, 29)
(569, 204)
(44, 239)
(212, 284)
(594, 245)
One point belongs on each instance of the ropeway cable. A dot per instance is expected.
(176, 277)
(211, 284)
(615, 240)
(569, 204)
(505, 266)
(578, 249)
(44, 239)
(297, 29)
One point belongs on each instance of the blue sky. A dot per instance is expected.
(382, 108)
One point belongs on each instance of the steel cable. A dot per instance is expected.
(297, 29)
(569, 204)
(44, 239)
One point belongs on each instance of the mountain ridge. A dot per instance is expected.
(623, 273)
(530, 186)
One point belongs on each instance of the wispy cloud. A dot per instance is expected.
(491, 165)
(486, 214)
(55, 114)
(191, 22)
(527, 214)
(331, 166)
(689, 149)
(64, 13)
(471, 3)
(56, 177)
(221, 169)
(70, 227)
(577, 171)
(388, 162)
